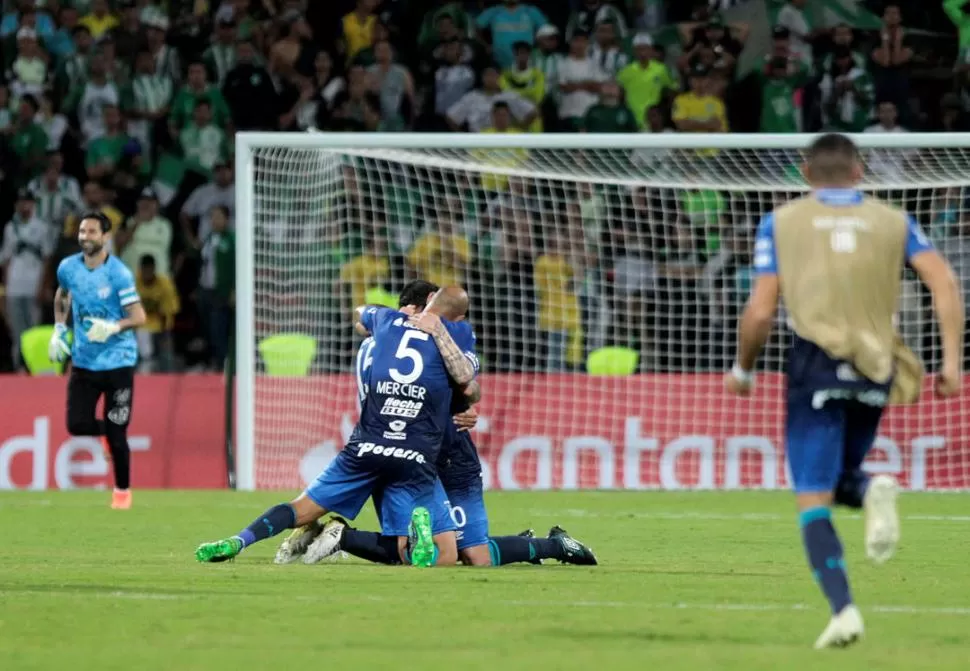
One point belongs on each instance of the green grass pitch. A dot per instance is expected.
(687, 581)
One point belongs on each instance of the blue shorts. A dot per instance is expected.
(351, 479)
(825, 444)
(467, 505)
(441, 520)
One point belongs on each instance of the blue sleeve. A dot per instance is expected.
(916, 240)
(372, 316)
(124, 285)
(485, 18)
(463, 335)
(63, 275)
(765, 256)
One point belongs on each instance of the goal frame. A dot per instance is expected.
(246, 143)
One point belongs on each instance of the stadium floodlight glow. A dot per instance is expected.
(656, 229)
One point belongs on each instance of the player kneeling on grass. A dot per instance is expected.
(100, 293)
(836, 257)
(459, 499)
(408, 363)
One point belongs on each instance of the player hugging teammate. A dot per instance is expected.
(99, 291)
(408, 375)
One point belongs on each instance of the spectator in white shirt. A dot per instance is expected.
(606, 50)
(888, 163)
(579, 82)
(475, 107)
(220, 191)
(27, 244)
(452, 79)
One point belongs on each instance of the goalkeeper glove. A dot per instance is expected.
(101, 330)
(57, 349)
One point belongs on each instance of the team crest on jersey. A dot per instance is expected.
(397, 430)
(104, 292)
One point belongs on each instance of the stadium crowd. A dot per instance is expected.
(130, 107)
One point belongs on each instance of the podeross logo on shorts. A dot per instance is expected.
(398, 407)
(392, 452)
(397, 430)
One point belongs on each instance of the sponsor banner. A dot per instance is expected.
(642, 432)
(176, 435)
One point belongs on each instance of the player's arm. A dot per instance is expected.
(473, 391)
(57, 349)
(62, 305)
(366, 317)
(460, 367)
(938, 276)
(759, 312)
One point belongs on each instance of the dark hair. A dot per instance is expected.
(500, 105)
(31, 100)
(100, 217)
(203, 101)
(832, 156)
(416, 293)
(147, 261)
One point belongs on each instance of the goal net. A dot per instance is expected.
(606, 277)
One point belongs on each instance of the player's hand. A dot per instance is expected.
(101, 330)
(949, 382)
(57, 349)
(466, 421)
(738, 383)
(426, 321)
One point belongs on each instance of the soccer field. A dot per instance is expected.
(687, 581)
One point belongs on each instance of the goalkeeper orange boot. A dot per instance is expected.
(121, 499)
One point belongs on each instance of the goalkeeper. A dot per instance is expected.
(100, 292)
(837, 258)
(459, 501)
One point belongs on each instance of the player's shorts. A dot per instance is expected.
(350, 479)
(467, 505)
(828, 442)
(441, 521)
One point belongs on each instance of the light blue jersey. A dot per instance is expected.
(99, 293)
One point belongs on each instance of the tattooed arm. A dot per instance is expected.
(459, 367)
(473, 391)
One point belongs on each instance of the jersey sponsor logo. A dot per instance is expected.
(396, 407)
(392, 452)
(397, 430)
(104, 292)
(388, 388)
(397, 425)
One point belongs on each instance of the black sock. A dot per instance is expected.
(851, 489)
(825, 556)
(370, 545)
(120, 461)
(512, 549)
(273, 521)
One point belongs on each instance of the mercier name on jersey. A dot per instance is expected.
(99, 293)
(404, 388)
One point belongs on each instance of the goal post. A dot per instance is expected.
(619, 254)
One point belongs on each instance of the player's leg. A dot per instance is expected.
(118, 387)
(83, 394)
(342, 488)
(477, 548)
(857, 490)
(815, 442)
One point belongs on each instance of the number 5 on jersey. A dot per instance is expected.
(405, 352)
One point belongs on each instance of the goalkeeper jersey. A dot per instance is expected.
(99, 293)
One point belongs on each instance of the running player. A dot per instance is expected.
(837, 257)
(409, 365)
(100, 292)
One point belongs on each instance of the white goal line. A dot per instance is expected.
(710, 516)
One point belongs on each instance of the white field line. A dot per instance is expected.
(636, 605)
(711, 516)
